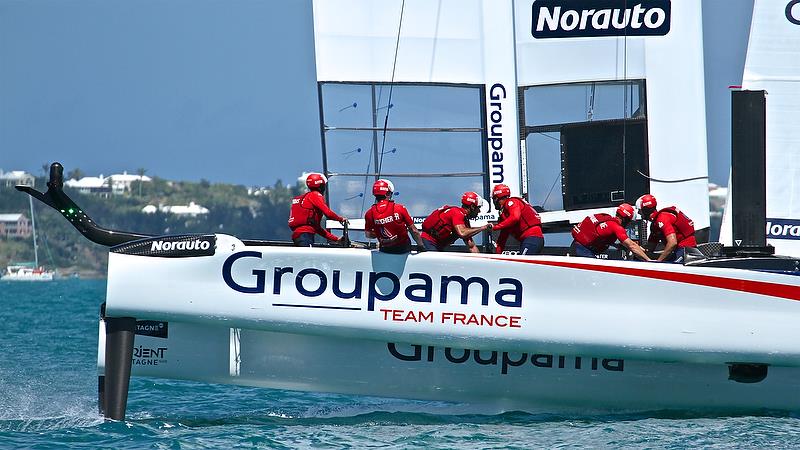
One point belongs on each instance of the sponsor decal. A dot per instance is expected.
(793, 12)
(452, 318)
(783, 228)
(594, 18)
(152, 328)
(158, 246)
(376, 287)
(504, 360)
(180, 246)
(494, 114)
(149, 356)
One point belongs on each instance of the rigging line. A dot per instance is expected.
(551, 190)
(47, 248)
(544, 133)
(366, 180)
(682, 180)
(391, 85)
(625, 107)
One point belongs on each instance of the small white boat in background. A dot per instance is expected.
(27, 272)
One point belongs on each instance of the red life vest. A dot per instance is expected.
(389, 225)
(684, 227)
(438, 228)
(529, 218)
(300, 215)
(585, 233)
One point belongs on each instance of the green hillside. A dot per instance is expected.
(231, 211)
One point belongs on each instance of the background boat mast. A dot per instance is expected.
(33, 228)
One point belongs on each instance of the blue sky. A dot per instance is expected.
(218, 89)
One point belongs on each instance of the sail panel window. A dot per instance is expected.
(583, 102)
(586, 144)
(403, 152)
(420, 195)
(347, 105)
(596, 172)
(433, 147)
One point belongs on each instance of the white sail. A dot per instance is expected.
(773, 65)
(490, 43)
(467, 43)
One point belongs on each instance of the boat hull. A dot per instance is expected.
(555, 305)
(27, 276)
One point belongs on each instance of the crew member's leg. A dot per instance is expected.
(397, 249)
(304, 240)
(678, 255)
(531, 245)
(582, 251)
(430, 246)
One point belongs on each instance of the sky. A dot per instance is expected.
(222, 90)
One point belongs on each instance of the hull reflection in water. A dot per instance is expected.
(496, 380)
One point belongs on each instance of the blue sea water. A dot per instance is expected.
(48, 385)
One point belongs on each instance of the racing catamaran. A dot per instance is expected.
(505, 331)
(510, 332)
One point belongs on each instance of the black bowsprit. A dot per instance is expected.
(58, 200)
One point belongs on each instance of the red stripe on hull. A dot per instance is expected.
(750, 286)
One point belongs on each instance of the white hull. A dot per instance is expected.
(649, 336)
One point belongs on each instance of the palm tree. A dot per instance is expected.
(75, 174)
(140, 171)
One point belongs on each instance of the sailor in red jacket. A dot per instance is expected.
(448, 223)
(307, 210)
(519, 219)
(597, 232)
(389, 222)
(669, 226)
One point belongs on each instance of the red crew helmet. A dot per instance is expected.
(382, 187)
(501, 191)
(625, 212)
(646, 201)
(314, 180)
(471, 199)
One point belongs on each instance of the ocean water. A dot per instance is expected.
(48, 384)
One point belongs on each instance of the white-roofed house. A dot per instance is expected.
(15, 226)
(90, 185)
(192, 209)
(16, 177)
(121, 183)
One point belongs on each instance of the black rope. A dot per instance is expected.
(391, 86)
(682, 180)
